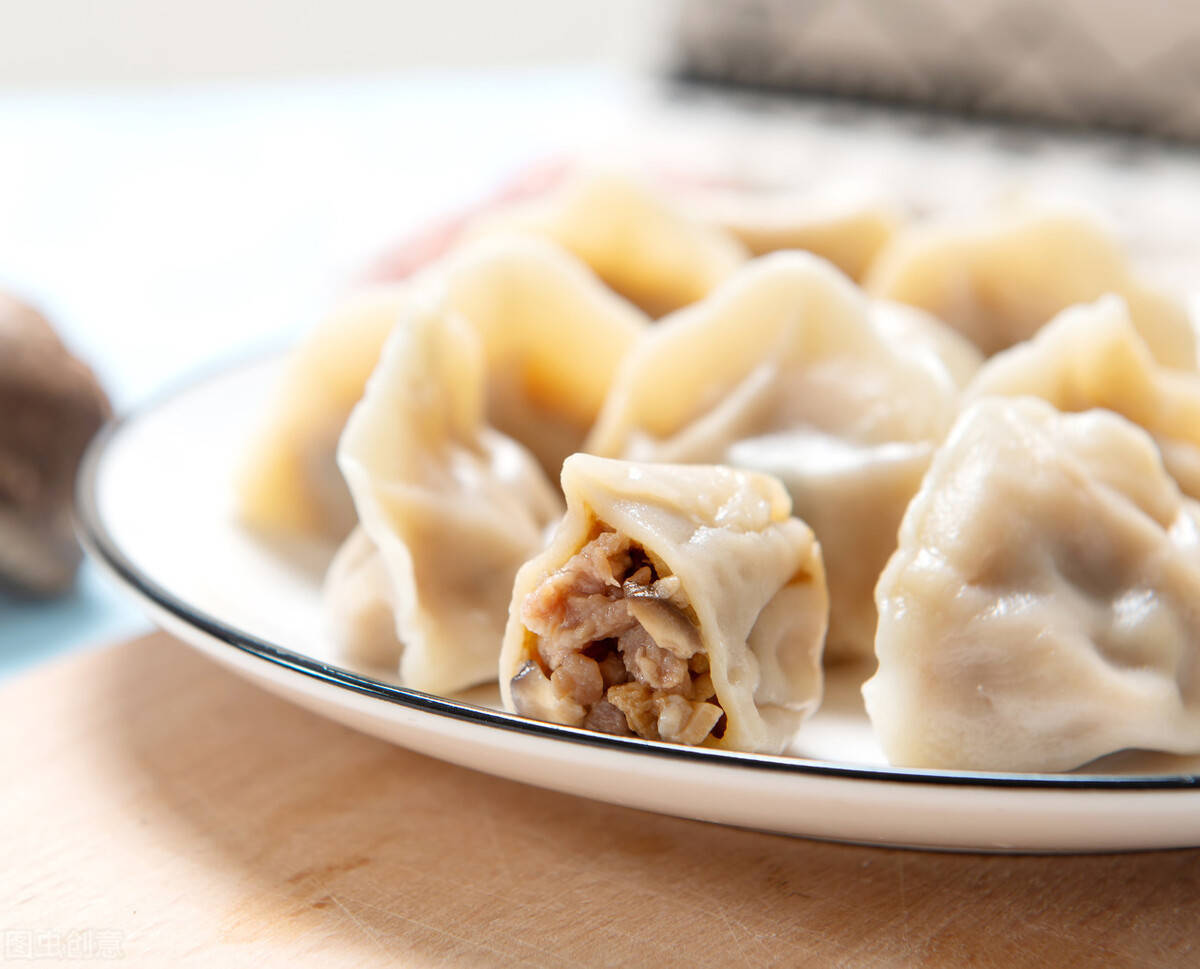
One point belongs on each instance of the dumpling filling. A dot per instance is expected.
(618, 650)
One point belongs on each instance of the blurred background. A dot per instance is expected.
(71, 42)
(186, 183)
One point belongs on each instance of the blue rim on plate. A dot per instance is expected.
(104, 548)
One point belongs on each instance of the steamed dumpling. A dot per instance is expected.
(917, 331)
(651, 252)
(360, 606)
(552, 336)
(449, 510)
(552, 339)
(847, 228)
(1040, 610)
(677, 603)
(781, 370)
(1000, 282)
(1091, 356)
(289, 483)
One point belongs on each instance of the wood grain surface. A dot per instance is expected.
(166, 813)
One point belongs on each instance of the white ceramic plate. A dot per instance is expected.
(155, 510)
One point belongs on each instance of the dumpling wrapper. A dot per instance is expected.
(782, 370)
(641, 245)
(737, 581)
(552, 337)
(451, 507)
(915, 330)
(1091, 356)
(845, 226)
(360, 606)
(1040, 610)
(1000, 282)
(289, 483)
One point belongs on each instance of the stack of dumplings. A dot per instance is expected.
(660, 464)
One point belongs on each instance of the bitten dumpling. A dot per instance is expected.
(552, 337)
(1040, 610)
(677, 603)
(781, 370)
(651, 252)
(1091, 356)
(1000, 282)
(448, 505)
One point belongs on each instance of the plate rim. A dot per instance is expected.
(99, 542)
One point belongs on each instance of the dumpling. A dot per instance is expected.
(1040, 610)
(1091, 356)
(451, 507)
(848, 228)
(914, 330)
(677, 603)
(999, 282)
(360, 607)
(289, 483)
(552, 337)
(782, 371)
(651, 252)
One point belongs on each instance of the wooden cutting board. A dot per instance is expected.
(158, 809)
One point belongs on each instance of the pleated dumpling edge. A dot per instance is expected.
(452, 506)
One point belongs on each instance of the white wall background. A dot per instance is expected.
(69, 42)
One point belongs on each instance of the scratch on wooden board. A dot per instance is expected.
(1085, 942)
(446, 933)
(733, 937)
(363, 927)
(766, 938)
(415, 875)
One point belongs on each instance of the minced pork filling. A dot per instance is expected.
(620, 651)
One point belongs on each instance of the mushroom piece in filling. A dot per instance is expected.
(618, 649)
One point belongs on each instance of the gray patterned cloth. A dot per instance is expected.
(1129, 64)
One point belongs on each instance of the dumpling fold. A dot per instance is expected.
(847, 224)
(652, 252)
(288, 483)
(448, 506)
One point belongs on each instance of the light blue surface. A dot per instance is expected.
(94, 613)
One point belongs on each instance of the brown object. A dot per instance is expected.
(1127, 64)
(161, 808)
(50, 406)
